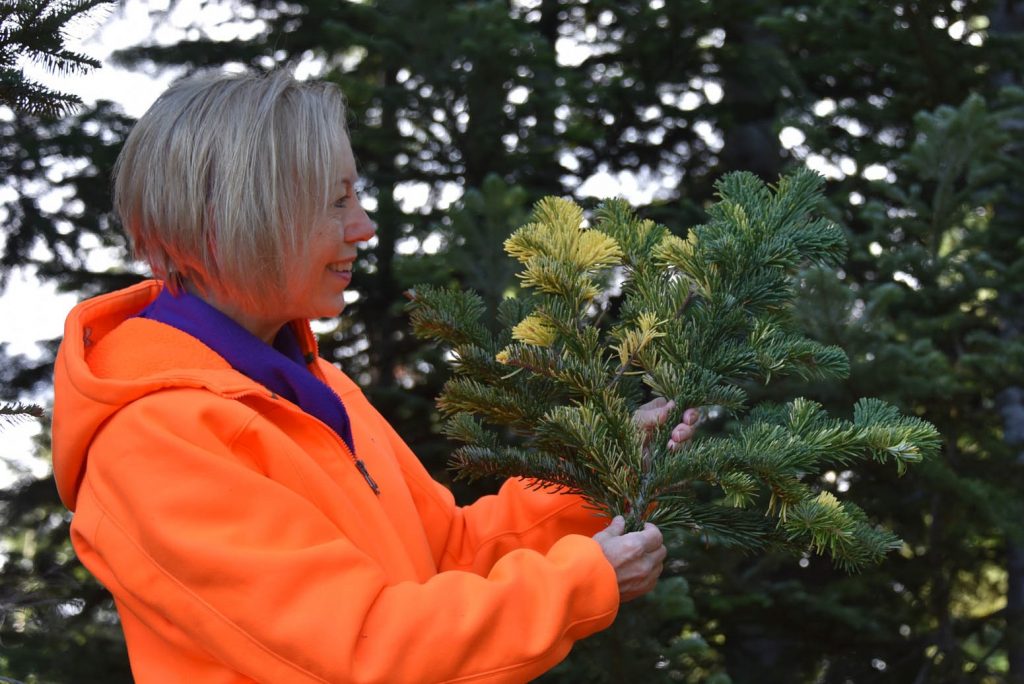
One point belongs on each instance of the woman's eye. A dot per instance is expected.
(342, 201)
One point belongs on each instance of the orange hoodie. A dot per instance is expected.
(241, 543)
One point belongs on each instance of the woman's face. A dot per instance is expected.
(316, 284)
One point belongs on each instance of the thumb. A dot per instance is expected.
(615, 529)
(653, 413)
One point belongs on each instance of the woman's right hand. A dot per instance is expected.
(637, 557)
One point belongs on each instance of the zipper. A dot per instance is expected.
(310, 356)
(360, 466)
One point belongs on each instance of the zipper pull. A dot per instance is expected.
(366, 476)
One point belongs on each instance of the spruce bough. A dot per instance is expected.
(551, 396)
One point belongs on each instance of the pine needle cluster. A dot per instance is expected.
(623, 310)
(37, 30)
(16, 412)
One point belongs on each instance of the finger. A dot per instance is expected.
(655, 575)
(682, 432)
(685, 430)
(650, 580)
(652, 530)
(655, 564)
(651, 406)
(651, 537)
(659, 555)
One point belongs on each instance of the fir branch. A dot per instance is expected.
(714, 524)
(699, 318)
(450, 316)
(474, 361)
(506, 405)
(14, 413)
(485, 456)
(37, 31)
(638, 349)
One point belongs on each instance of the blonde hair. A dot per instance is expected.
(221, 178)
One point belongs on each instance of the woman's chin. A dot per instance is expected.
(333, 310)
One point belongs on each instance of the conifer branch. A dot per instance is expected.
(628, 363)
(14, 413)
(699, 317)
(37, 30)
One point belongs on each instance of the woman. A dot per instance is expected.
(253, 516)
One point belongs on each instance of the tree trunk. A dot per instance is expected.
(381, 328)
(1015, 612)
(1006, 19)
(751, 95)
(1011, 407)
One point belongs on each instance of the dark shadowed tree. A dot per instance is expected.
(496, 103)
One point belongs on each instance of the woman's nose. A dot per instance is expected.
(360, 228)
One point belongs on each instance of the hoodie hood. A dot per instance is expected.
(108, 359)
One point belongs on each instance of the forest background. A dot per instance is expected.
(465, 113)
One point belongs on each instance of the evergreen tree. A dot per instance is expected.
(924, 330)
(938, 339)
(45, 592)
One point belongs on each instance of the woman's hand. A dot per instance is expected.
(655, 413)
(637, 557)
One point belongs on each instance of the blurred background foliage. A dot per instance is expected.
(465, 113)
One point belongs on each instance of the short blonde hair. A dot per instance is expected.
(220, 180)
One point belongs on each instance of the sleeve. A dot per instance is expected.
(199, 543)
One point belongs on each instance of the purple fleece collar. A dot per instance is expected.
(280, 368)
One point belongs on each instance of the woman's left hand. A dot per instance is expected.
(655, 413)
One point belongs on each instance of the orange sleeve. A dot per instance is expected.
(195, 539)
(476, 536)
(516, 517)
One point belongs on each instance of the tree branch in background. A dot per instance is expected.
(17, 412)
(37, 31)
